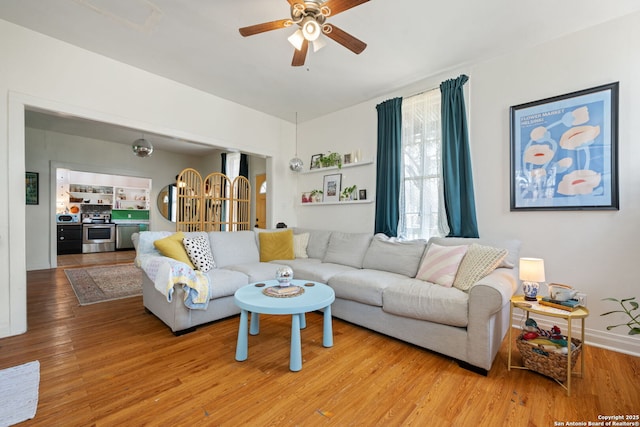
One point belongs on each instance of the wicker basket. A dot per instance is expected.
(548, 363)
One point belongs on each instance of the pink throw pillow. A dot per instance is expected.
(440, 264)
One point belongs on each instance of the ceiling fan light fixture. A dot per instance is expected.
(311, 29)
(296, 39)
(142, 148)
(319, 44)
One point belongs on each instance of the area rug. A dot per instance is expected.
(105, 283)
(19, 393)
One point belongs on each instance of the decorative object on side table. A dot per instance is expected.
(633, 324)
(531, 273)
(284, 275)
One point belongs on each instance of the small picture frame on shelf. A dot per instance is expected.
(332, 187)
(347, 159)
(362, 194)
(315, 161)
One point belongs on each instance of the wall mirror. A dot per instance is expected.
(167, 202)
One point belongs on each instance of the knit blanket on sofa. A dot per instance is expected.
(166, 272)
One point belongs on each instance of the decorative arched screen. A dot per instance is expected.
(214, 203)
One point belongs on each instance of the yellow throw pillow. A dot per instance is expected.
(173, 247)
(276, 245)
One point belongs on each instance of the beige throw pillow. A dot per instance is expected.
(477, 263)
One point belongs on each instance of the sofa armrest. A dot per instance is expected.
(501, 281)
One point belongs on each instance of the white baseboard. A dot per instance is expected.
(603, 339)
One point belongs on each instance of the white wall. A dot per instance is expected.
(41, 72)
(595, 251)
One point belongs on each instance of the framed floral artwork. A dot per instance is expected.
(564, 151)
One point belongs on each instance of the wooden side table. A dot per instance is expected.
(529, 307)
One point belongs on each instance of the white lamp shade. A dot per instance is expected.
(532, 270)
(296, 39)
(310, 29)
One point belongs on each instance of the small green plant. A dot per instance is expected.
(347, 192)
(331, 159)
(629, 305)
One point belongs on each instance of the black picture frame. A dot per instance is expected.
(564, 151)
(362, 194)
(31, 188)
(315, 161)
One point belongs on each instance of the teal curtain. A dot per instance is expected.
(457, 179)
(389, 166)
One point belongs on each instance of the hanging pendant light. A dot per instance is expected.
(142, 148)
(296, 164)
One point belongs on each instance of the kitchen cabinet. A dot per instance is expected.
(69, 237)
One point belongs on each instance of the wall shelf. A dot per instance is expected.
(333, 168)
(348, 202)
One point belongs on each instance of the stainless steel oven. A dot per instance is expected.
(98, 238)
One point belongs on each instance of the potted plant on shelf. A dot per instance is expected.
(316, 196)
(331, 159)
(347, 193)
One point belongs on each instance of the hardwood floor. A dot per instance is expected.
(112, 364)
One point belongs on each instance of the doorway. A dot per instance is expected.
(261, 200)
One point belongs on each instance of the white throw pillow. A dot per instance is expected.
(199, 252)
(440, 264)
(300, 242)
(477, 263)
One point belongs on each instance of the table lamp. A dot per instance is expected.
(531, 273)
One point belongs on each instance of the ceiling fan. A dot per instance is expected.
(310, 16)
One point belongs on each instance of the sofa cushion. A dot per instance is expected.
(276, 245)
(318, 241)
(313, 269)
(511, 245)
(347, 248)
(257, 271)
(426, 301)
(395, 256)
(172, 247)
(237, 247)
(363, 285)
(199, 252)
(224, 283)
(440, 264)
(478, 262)
(300, 242)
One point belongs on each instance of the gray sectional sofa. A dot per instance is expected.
(374, 281)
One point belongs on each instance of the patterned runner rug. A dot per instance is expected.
(19, 393)
(105, 283)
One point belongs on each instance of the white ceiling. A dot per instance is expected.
(197, 42)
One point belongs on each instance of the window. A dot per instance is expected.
(421, 199)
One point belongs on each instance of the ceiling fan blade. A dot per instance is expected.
(338, 6)
(345, 39)
(300, 55)
(266, 26)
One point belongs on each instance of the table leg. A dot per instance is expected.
(510, 331)
(303, 320)
(569, 356)
(295, 355)
(242, 346)
(327, 330)
(255, 324)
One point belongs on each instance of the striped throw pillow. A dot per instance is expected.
(440, 264)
